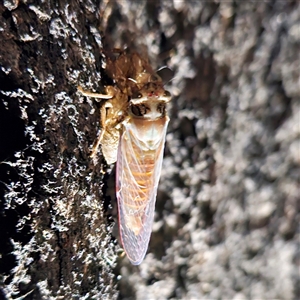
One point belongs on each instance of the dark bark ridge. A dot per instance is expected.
(57, 241)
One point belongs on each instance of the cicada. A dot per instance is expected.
(134, 125)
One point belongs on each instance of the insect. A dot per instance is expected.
(134, 125)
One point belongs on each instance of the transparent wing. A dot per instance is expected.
(137, 177)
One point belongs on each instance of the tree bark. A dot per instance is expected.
(228, 205)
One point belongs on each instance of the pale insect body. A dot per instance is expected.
(134, 125)
(112, 113)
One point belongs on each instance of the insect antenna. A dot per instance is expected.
(131, 79)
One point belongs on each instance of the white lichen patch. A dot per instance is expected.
(22, 255)
(40, 82)
(41, 15)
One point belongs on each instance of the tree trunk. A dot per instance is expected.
(228, 205)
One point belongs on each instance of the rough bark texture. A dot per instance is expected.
(227, 209)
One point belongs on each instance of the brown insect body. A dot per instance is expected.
(134, 123)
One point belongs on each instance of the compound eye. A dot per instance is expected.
(166, 97)
(137, 96)
(167, 94)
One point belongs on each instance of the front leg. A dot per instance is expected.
(94, 95)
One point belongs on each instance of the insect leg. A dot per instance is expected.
(103, 114)
(96, 146)
(94, 95)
